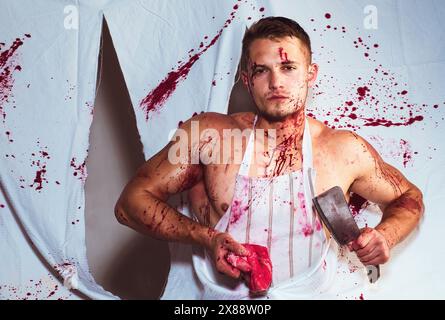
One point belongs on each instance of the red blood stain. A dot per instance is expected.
(283, 55)
(261, 9)
(357, 203)
(39, 161)
(388, 174)
(407, 152)
(285, 158)
(361, 91)
(2, 205)
(8, 64)
(407, 203)
(327, 16)
(211, 232)
(80, 170)
(9, 136)
(156, 99)
(367, 47)
(39, 179)
(361, 297)
(205, 214)
(379, 100)
(189, 179)
(307, 230)
(38, 290)
(163, 215)
(388, 123)
(90, 106)
(237, 210)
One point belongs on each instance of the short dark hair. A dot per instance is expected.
(272, 28)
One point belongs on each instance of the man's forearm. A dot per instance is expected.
(401, 216)
(147, 214)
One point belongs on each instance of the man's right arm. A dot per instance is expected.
(143, 207)
(142, 204)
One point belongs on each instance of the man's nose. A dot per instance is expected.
(275, 80)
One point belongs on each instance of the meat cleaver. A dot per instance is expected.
(333, 209)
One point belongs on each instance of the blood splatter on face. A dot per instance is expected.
(279, 90)
(283, 55)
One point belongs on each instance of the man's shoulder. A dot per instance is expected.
(339, 140)
(210, 120)
(217, 120)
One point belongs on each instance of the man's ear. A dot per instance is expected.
(312, 74)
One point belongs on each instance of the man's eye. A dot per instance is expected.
(290, 68)
(256, 71)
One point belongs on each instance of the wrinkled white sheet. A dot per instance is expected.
(393, 75)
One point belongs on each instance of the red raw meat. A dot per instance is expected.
(256, 267)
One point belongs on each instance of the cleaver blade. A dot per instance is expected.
(334, 211)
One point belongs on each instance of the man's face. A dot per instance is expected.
(278, 76)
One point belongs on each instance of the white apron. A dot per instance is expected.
(271, 212)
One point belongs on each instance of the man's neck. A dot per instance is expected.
(288, 131)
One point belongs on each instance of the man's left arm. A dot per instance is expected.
(400, 201)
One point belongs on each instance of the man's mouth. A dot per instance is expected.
(277, 97)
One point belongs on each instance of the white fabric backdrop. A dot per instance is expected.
(391, 74)
(47, 112)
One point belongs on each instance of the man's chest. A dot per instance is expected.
(220, 180)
